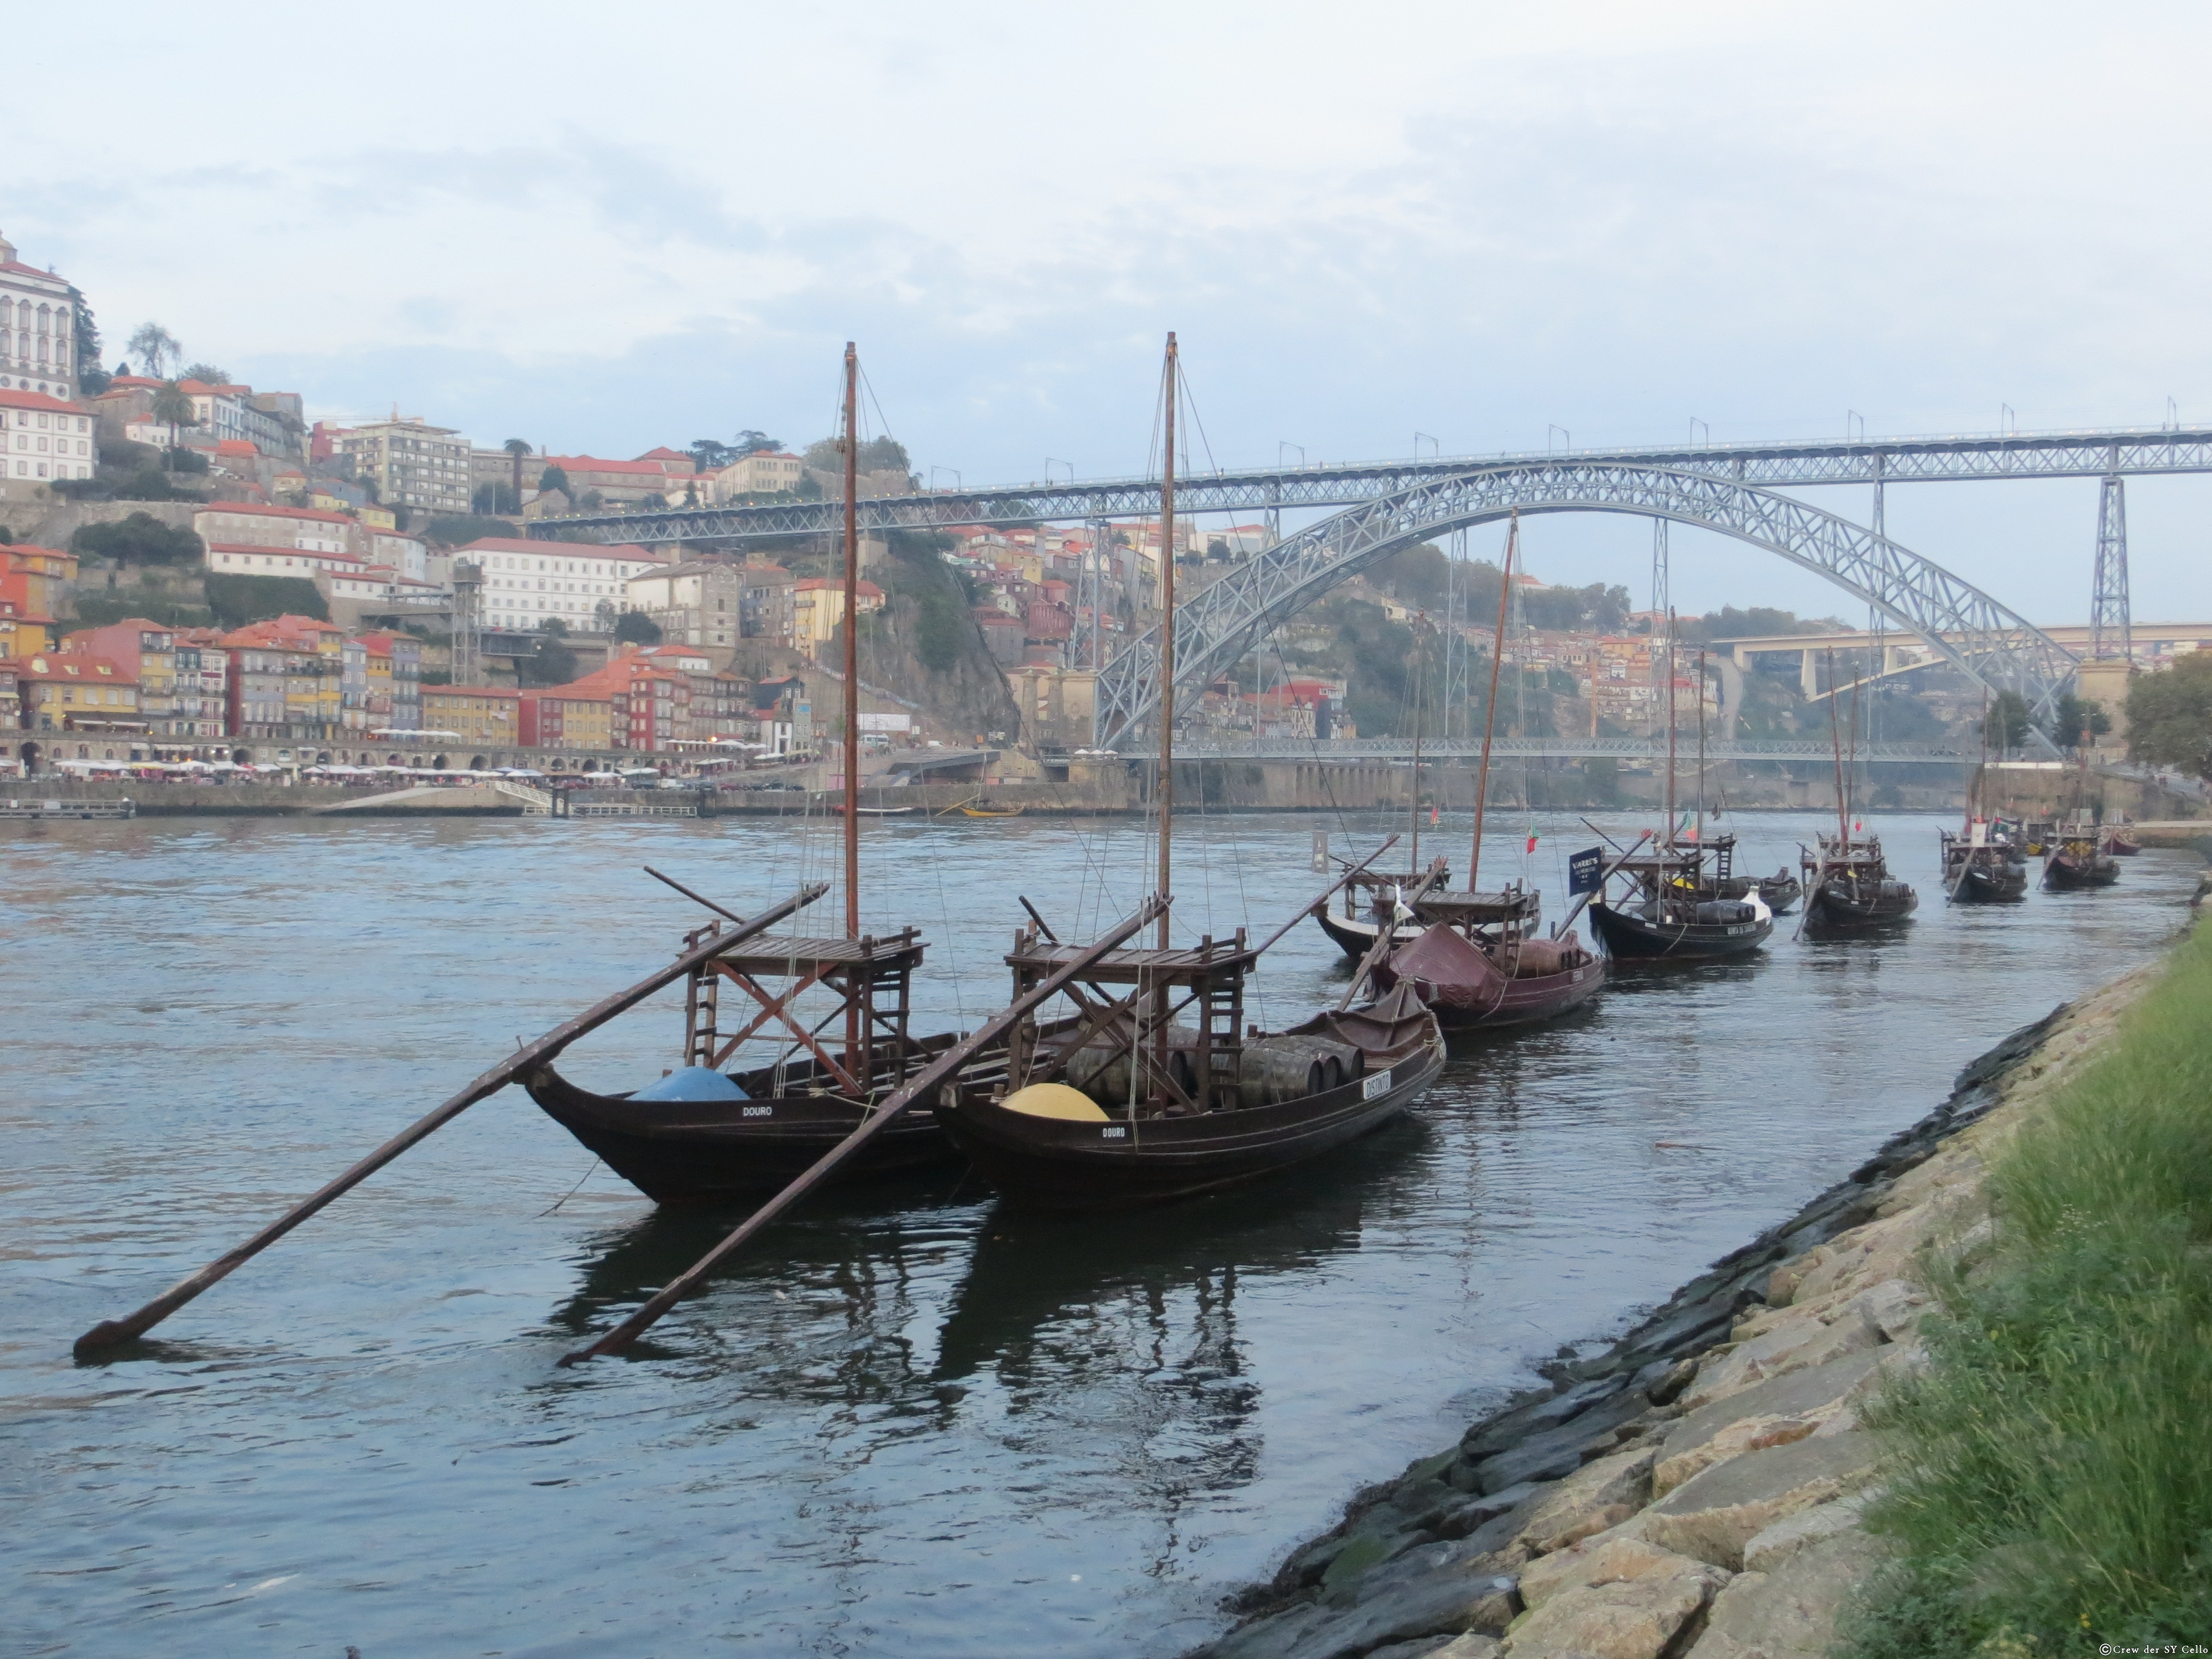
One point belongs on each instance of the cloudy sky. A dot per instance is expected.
(601, 229)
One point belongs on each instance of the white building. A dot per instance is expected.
(411, 463)
(525, 581)
(37, 329)
(286, 527)
(44, 437)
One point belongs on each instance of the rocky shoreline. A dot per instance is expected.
(1695, 1489)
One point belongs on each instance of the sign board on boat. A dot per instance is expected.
(1583, 870)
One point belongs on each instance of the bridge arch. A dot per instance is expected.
(2001, 650)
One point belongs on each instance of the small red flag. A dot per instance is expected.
(1532, 843)
(1432, 815)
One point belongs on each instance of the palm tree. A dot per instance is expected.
(174, 404)
(156, 347)
(518, 449)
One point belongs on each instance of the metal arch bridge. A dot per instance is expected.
(1223, 622)
(2117, 452)
(1635, 751)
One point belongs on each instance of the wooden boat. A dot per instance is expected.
(2037, 836)
(1228, 1105)
(992, 811)
(2076, 860)
(1982, 866)
(1848, 885)
(1370, 898)
(1663, 916)
(1476, 964)
(2118, 838)
(1129, 1106)
(703, 1131)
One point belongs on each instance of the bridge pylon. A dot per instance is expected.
(2111, 634)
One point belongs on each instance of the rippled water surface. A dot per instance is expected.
(913, 1423)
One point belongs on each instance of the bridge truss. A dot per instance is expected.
(1873, 461)
(1223, 622)
(1203, 746)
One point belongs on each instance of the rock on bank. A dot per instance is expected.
(1694, 1493)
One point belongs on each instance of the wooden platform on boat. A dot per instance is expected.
(1189, 965)
(1479, 909)
(825, 957)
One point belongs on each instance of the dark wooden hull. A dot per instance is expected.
(695, 1152)
(1982, 884)
(1054, 1164)
(1633, 938)
(1355, 937)
(2067, 874)
(1781, 893)
(1842, 906)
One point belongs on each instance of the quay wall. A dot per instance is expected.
(1696, 1491)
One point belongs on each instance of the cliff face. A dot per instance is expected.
(925, 644)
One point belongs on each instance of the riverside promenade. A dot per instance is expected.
(1699, 1491)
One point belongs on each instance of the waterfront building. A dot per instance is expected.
(392, 668)
(479, 714)
(147, 651)
(285, 679)
(22, 630)
(38, 330)
(77, 691)
(566, 717)
(11, 699)
(411, 463)
(229, 419)
(201, 706)
(48, 574)
(650, 704)
(525, 582)
(46, 438)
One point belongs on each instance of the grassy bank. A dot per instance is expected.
(2053, 1463)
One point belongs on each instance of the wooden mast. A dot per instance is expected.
(853, 1060)
(852, 448)
(1163, 883)
(1701, 749)
(1414, 857)
(1490, 713)
(1670, 728)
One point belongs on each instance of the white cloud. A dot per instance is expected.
(1473, 221)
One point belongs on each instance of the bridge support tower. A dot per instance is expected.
(2109, 630)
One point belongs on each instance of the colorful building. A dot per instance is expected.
(293, 663)
(474, 714)
(76, 691)
(566, 717)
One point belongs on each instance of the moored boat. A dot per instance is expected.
(1663, 916)
(1982, 866)
(2076, 859)
(1848, 885)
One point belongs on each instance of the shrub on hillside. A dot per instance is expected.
(238, 600)
(141, 538)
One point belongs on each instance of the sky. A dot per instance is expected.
(602, 231)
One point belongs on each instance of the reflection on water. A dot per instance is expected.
(917, 1424)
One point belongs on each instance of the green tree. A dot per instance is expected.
(1417, 577)
(939, 631)
(874, 455)
(494, 499)
(2008, 724)
(636, 628)
(2170, 716)
(154, 347)
(142, 539)
(173, 407)
(91, 378)
(710, 454)
(517, 449)
(2080, 720)
(554, 477)
(206, 373)
(754, 441)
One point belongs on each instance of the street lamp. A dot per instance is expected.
(1436, 449)
(1050, 463)
(958, 482)
(1563, 433)
(1282, 444)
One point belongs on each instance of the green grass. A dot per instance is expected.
(2052, 1468)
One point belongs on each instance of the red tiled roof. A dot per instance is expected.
(573, 464)
(38, 400)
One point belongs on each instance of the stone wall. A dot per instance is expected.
(1695, 1493)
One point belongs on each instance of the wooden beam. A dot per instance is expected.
(112, 1332)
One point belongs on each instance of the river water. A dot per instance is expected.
(913, 1423)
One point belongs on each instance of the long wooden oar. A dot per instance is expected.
(111, 1332)
(921, 1086)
